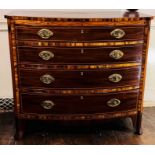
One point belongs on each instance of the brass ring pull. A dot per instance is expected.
(47, 79)
(47, 104)
(115, 78)
(45, 33)
(117, 33)
(113, 102)
(116, 54)
(46, 55)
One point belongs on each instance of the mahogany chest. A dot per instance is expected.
(78, 65)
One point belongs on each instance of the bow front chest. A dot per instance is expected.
(80, 65)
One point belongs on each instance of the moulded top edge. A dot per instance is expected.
(75, 14)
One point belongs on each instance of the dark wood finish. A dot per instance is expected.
(79, 33)
(79, 55)
(138, 127)
(79, 79)
(79, 104)
(137, 123)
(83, 91)
(79, 73)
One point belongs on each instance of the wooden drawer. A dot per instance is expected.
(79, 33)
(79, 55)
(79, 79)
(78, 104)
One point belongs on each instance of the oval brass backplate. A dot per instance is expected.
(115, 77)
(118, 33)
(47, 79)
(45, 33)
(47, 104)
(46, 55)
(116, 54)
(113, 102)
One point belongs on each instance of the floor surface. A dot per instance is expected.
(112, 132)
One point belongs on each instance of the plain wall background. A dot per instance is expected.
(5, 69)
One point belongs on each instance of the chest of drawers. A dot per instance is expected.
(78, 65)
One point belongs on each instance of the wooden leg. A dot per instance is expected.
(139, 124)
(137, 121)
(20, 128)
(134, 121)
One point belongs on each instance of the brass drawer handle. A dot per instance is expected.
(45, 33)
(113, 102)
(116, 54)
(117, 33)
(47, 79)
(46, 55)
(115, 78)
(47, 104)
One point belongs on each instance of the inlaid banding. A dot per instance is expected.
(79, 22)
(76, 44)
(78, 91)
(79, 67)
(77, 116)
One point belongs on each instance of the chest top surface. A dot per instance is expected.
(75, 14)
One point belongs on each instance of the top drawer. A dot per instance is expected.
(79, 33)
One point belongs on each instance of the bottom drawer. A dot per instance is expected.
(78, 104)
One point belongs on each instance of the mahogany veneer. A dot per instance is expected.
(79, 33)
(83, 65)
(79, 78)
(80, 55)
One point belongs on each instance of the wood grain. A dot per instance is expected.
(79, 33)
(81, 91)
(79, 104)
(76, 74)
(79, 55)
(79, 79)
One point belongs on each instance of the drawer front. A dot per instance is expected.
(79, 55)
(79, 33)
(79, 79)
(47, 104)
